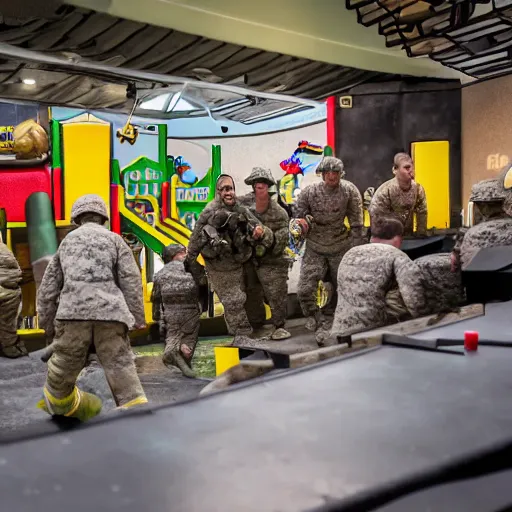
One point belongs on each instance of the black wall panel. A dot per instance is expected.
(386, 118)
(12, 114)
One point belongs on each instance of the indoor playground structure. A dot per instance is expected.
(150, 205)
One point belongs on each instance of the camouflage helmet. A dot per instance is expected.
(89, 203)
(487, 191)
(260, 175)
(330, 163)
(171, 251)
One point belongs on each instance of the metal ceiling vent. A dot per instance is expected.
(471, 36)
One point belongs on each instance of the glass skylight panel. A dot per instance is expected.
(155, 103)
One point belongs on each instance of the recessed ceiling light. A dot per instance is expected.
(29, 81)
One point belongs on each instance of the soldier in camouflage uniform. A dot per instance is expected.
(494, 231)
(10, 304)
(176, 307)
(378, 284)
(90, 296)
(267, 273)
(225, 267)
(442, 287)
(328, 203)
(401, 198)
(504, 179)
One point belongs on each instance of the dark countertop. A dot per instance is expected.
(286, 443)
(496, 325)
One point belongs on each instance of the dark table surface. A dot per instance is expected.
(495, 325)
(292, 442)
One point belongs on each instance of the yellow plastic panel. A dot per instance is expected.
(432, 163)
(86, 152)
(225, 358)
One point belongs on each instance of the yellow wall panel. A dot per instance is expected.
(86, 153)
(432, 164)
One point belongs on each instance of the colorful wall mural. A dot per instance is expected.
(155, 188)
(304, 160)
(160, 200)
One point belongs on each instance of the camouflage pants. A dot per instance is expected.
(70, 350)
(10, 308)
(270, 282)
(181, 326)
(313, 269)
(229, 287)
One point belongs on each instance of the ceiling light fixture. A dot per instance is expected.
(29, 81)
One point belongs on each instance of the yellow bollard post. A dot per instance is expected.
(225, 358)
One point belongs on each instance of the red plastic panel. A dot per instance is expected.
(17, 184)
(57, 193)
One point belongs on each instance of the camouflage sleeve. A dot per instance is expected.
(380, 205)
(49, 293)
(130, 282)
(281, 234)
(249, 215)
(459, 237)
(245, 200)
(410, 284)
(197, 239)
(302, 207)
(354, 210)
(268, 237)
(421, 212)
(156, 300)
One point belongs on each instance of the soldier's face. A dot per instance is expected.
(331, 178)
(261, 189)
(227, 194)
(405, 171)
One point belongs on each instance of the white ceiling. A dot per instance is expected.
(320, 30)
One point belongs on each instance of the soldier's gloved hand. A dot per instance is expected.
(257, 232)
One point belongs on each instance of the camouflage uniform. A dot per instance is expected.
(328, 239)
(377, 285)
(225, 270)
(10, 304)
(495, 228)
(91, 295)
(507, 203)
(175, 301)
(491, 233)
(390, 200)
(267, 273)
(442, 288)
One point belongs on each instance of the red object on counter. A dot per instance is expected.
(471, 341)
